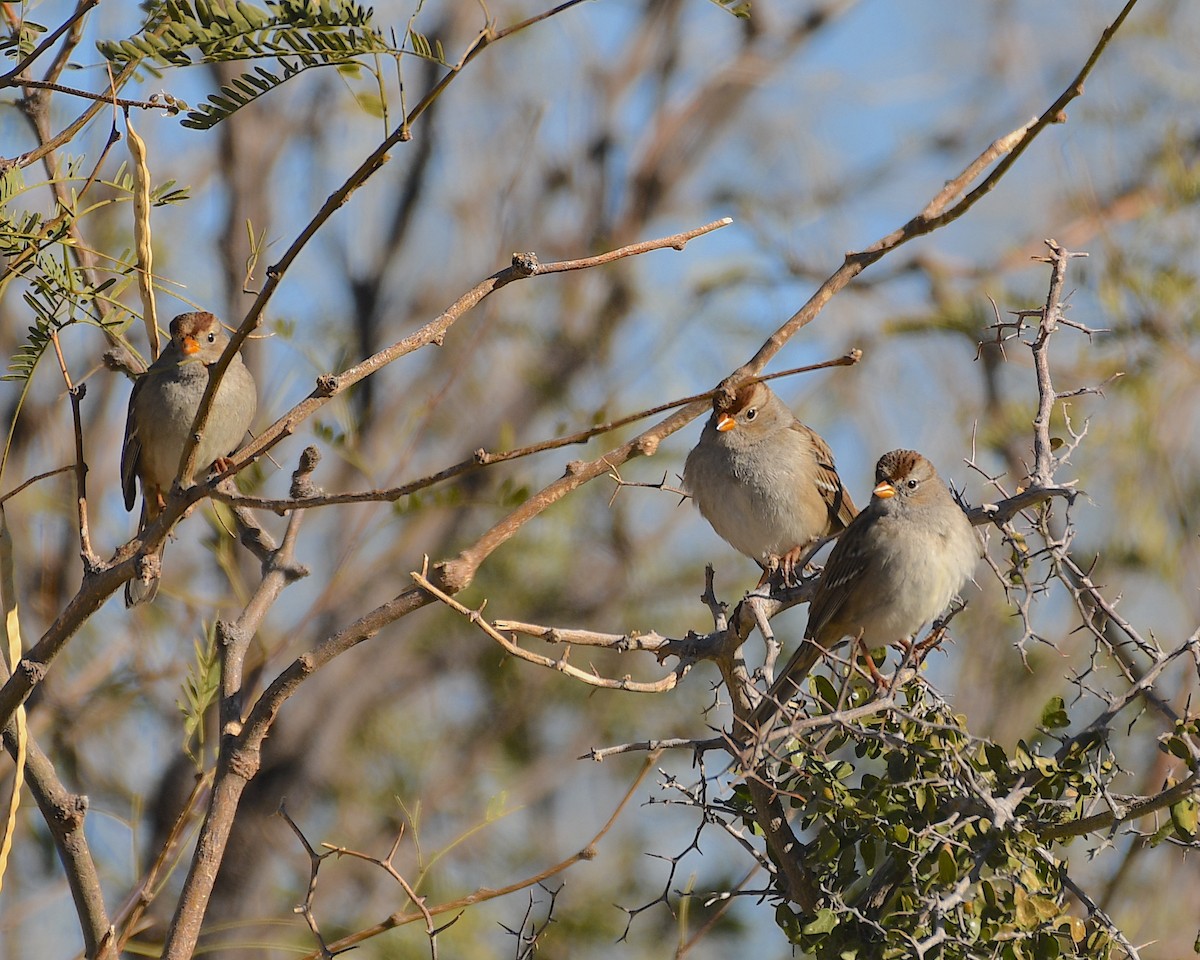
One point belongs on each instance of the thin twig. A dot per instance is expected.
(168, 106)
(1003, 152)
(589, 852)
(305, 908)
(669, 682)
(7, 79)
(1043, 454)
(600, 754)
(434, 332)
(128, 918)
(77, 392)
(483, 458)
(386, 864)
(34, 479)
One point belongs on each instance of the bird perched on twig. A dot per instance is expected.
(897, 566)
(765, 481)
(162, 408)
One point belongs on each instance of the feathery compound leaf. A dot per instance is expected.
(200, 692)
(427, 50)
(296, 34)
(23, 361)
(57, 294)
(22, 40)
(179, 32)
(11, 184)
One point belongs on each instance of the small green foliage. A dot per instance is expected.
(295, 35)
(20, 43)
(427, 49)
(1054, 714)
(1178, 743)
(512, 494)
(824, 691)
(200, 688)
(36, 248)
(826, 921)
(164, 194)
(913, 826)
(1184, 815)
(57, 296)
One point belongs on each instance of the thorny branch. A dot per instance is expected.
(588, 852)
(386, 864)
(724, 647)
(528, 934)
(1043, 456)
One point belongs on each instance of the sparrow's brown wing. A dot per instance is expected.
(131, 448)
(837, 499)
(846, 564)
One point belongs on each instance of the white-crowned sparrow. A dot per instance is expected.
(898, 565)
(765, 481)
(163, 405)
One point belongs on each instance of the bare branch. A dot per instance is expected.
(592, 679)
(589, 852)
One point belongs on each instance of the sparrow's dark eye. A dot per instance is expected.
(911, 483)
(212, 338)
(751, 414)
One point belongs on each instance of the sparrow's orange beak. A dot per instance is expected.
(726, 423)
(190, 346)
(884, 490)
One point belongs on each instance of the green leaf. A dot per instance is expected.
(825, 690)
(1184, 816)
(947, 867)
(996, 758)
(1047, 947)
(1076, 928)
(200, 688)
(1176, 746)
(788, 922)
(825, 921)
(1054, 714)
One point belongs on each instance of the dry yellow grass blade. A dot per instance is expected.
(12, 630)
